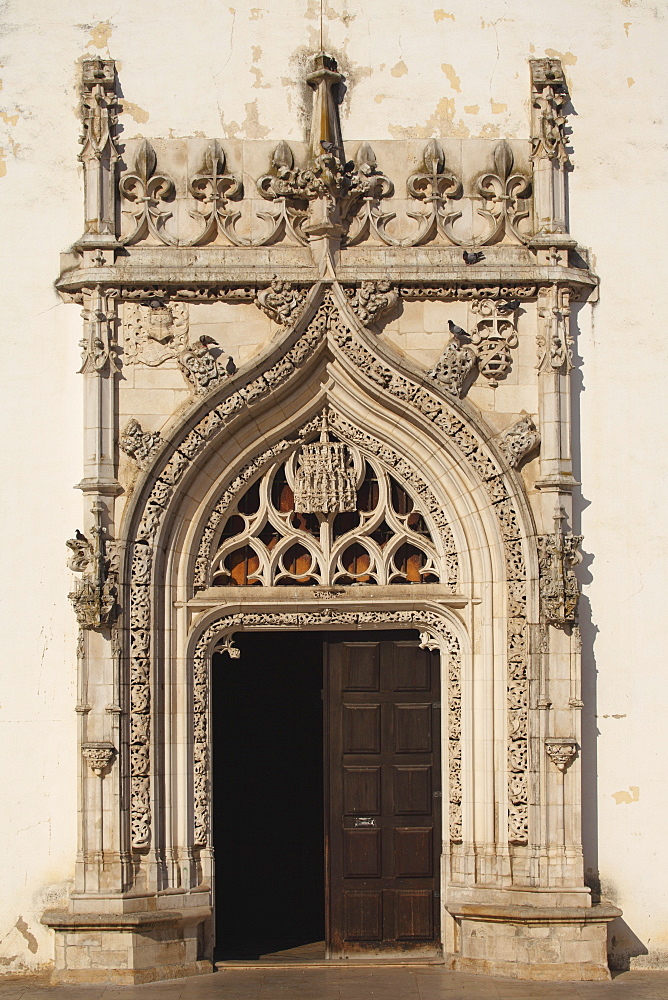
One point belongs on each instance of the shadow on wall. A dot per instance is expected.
(623, 945)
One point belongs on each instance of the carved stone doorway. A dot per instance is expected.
(326, 798)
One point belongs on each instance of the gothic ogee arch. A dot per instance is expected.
(331, 483)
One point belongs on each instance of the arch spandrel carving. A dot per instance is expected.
(331, 335)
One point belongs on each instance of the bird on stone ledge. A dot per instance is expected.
(473, 258)
(230, 367)
(508, 307)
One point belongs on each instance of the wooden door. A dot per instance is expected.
(384, 802)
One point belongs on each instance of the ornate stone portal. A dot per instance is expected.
(267, 328)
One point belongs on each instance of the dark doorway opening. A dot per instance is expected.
(271, 780)
(267, 741)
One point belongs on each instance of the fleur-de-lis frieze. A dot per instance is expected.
(371, 185)
(286, 187)
(148, 191)
(214, 188)
(503, 192)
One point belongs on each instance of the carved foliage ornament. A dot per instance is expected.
(98, 756)
(519, 440)
(474, 453)
(558, 555)
(139, 444)
(95, 594)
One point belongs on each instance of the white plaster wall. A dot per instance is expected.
(415, 69)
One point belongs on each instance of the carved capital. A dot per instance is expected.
(98, 756)
(562, 750)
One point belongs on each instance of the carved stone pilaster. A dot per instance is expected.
(99, 153)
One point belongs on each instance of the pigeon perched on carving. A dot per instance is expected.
(230, 367)
(473, 258)
(455, 330)
(508, 307)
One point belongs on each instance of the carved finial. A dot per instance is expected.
(99, 153)
(324, 79)
(325, 479)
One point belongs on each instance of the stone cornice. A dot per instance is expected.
(238, 282)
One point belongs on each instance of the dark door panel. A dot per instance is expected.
(383, 811)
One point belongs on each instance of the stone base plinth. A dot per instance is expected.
(532, 942)
(137, 947)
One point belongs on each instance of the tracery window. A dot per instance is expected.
(381, 536)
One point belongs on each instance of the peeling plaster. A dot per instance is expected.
(251, 126)
(625, 798)
(100, 35)
(627, 25)
(400, 69)
(440, 15)
(452, 77)
(497, 106)
(472, 109)
(439, 123)
(629, 81)
(9, 119)
(135, 112)
(30, 938)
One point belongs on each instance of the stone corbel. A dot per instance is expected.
(562, 751)
(98, 756)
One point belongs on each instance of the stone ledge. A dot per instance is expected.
(139, 920)
(601, 912)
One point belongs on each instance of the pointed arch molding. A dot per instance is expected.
(351, 435)
(327, 319)
(438, 633)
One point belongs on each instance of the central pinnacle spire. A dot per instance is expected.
(325, 125)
